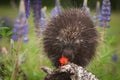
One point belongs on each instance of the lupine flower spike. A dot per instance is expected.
(105, 13)
(27, 8)
(97, 14)
(57, 10)
(43, 19)
(21, 24)
(20, 30)
(1, 22)
(86, 9)
(37, 4)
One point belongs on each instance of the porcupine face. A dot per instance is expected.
(73, 35)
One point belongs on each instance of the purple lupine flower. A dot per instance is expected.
(27, 8)
(1, 22)
(115, 57)
(37, 4)
(21, 24)
(105, 13)
(43, 19)
(0, 19)
(25, 39)
(57, 10)
(1, 26)
(5, 21)
(86, 9)
(20, 27)
(97, 14)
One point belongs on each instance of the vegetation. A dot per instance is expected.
(31, 55)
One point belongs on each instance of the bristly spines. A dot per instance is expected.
(73, 29)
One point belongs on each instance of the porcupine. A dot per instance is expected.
(71, 34)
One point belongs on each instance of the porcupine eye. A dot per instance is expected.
(77, 43)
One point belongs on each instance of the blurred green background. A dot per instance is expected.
(103, 65)
(91, 3)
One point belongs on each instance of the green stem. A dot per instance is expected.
(16, 65)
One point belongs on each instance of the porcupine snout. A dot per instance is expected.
(68, 53)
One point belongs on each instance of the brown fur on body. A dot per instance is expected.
(73, 35)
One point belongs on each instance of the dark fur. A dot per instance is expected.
(61, 76)
(73, 35)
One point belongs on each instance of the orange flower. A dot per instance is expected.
(63, 60)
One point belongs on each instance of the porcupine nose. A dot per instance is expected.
(68, 53)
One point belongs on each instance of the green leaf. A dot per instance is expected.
(9, 33)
